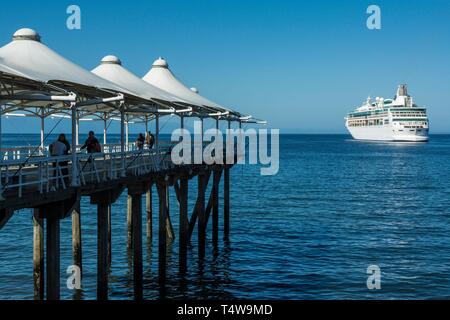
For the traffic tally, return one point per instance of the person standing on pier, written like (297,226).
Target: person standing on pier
(150,140)
(59,148)
(91,144)
(140,142)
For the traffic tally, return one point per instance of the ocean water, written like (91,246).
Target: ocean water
(336,207)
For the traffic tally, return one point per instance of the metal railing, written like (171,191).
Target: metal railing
(44,174)
(39,172)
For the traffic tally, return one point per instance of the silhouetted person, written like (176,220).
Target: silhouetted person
(60,147)
(140,141)
(91,144)
(150,140)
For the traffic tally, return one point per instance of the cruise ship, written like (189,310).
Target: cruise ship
(397,119)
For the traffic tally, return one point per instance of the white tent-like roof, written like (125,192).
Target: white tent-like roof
(27,55)
(8,70)
(112,70)
(162,77)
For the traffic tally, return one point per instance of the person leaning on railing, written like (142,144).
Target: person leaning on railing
(60,147)
(150,140)
(140,142)
(91,144)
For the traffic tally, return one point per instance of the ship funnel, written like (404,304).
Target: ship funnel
(402,90)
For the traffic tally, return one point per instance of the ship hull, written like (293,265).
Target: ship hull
(387,133)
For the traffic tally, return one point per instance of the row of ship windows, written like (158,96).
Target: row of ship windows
(409,114)
(379,122)
(365,123)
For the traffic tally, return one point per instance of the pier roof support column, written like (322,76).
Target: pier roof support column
(38,256)
(184,224)
(75,182)
(77,132)
(127,142)
(122,137)
(157,131)
(42,116)
(105,128)
(146,125)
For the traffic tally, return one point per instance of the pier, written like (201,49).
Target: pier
(53,185)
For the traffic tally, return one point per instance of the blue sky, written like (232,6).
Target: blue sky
(302,65)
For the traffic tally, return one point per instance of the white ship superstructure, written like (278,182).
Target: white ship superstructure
(397,119)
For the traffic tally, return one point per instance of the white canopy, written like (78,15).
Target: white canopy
(112,70)
(5,69)
(162,77)
(27,55)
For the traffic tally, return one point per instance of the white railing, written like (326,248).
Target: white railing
(45,174)
(21,153)
(42,173)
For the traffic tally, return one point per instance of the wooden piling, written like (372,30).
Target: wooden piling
(169,226)
(136,207)
(194,215)
(76,237)
(184,224)
(215,208)
(53,258)
(149,211)
(38,256)
(129,224)
(102,248)
(201,216)
(109,236)
(162,236)
(226,202)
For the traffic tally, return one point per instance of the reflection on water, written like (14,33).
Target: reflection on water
(336,207)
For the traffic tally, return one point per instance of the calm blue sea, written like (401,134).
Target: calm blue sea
(310,232)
